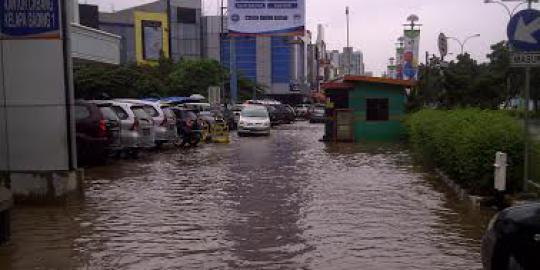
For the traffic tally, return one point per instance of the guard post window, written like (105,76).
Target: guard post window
(377,109)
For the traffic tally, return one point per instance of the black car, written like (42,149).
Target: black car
(97,132)
(512,240)
(281,114)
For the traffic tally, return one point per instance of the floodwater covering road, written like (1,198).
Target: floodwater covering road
(282,202)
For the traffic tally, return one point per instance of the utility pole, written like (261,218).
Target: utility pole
(348,33)
(527,95)
(221,36)
(349,50)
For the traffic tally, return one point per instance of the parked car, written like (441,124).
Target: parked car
(237,109)
(197,107)
(512,240)
(281,114)
(137,127)
(164,125)
(273,115)
(97,132)
(301,110)
(289,116)
(317,114)
(254,120)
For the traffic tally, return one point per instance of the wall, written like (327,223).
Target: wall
(264,61)
(212,37)
(186,39)
(282,68)
(94,45)
(246,56)
(387,130)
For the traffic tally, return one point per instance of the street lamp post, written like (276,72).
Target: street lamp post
(507,8)
(464,42)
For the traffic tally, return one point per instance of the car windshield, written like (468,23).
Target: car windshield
(255,113)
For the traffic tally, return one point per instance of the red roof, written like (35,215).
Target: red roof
(379,80)
(348,82)
(337,85)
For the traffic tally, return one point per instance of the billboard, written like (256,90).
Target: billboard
(410,54)
(152,32)
(267,17)
(151,37)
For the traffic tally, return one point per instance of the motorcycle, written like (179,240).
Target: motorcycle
(189,134)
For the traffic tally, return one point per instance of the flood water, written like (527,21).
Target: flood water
(283,202)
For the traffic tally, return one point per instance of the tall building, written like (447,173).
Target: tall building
(351,62)
(169,26)
(334,67)
(277,63)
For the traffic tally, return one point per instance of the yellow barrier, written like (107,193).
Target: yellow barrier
(220,132)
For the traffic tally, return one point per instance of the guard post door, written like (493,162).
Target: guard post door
(344,125)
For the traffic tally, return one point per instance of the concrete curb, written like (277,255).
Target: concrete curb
(474,201)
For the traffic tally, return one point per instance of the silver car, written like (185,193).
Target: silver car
(254,120)
(136,126)
(164,123)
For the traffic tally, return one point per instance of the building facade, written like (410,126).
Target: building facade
(279,63)
(351,62)
(179,20)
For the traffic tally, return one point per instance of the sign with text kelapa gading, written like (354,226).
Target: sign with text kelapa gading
(30,19)
(267,17)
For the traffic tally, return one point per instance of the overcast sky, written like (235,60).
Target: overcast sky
(376,24)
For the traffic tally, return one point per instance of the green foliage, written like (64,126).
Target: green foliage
(463,143)
(195,76)
(97,81)
(167,78)
(466,83)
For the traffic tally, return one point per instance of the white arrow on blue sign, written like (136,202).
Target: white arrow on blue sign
(524,31)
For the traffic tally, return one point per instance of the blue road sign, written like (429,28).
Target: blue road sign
(30,19)
(524,31)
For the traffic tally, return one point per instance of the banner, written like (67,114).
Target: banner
(410,54)
(30,19)
(267,17)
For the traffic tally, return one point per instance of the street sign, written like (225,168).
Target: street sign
(524,31)
(443,45)
(525,59)
(30,19)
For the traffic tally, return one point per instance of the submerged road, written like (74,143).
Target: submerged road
(282,202)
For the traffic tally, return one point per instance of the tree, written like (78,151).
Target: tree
(195,76)
(465,83)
